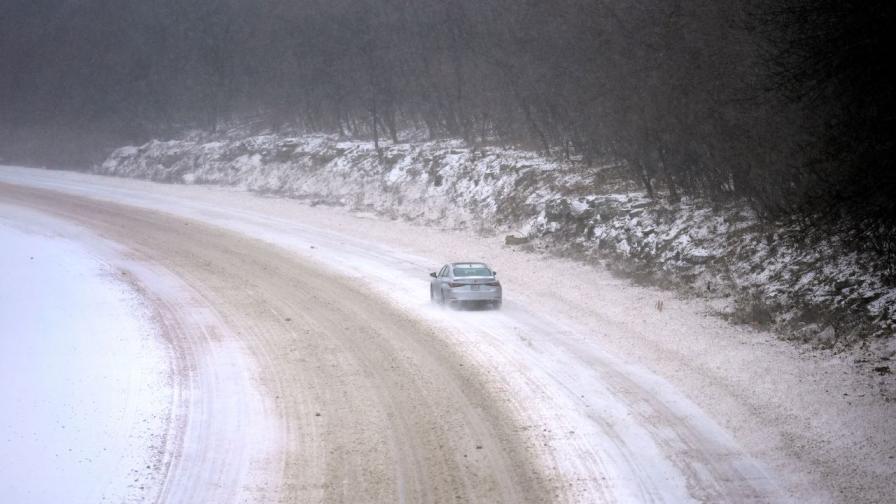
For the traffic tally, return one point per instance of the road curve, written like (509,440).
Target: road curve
(614,400)
(372,406)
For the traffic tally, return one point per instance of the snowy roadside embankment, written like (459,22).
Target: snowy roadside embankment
(121,383)
(758,273)
(86,390)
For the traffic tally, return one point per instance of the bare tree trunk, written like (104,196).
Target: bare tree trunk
(375,121)
(645,175)
(390,123)
(667,175)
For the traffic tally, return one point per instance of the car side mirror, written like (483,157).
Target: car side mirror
(432,274)
(494,273)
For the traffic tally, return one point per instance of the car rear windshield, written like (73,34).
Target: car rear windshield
(471,271)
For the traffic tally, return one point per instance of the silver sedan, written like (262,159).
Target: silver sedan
(463,283)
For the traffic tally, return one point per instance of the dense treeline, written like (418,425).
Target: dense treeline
(788,103)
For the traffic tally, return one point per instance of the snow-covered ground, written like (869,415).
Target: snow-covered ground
(86,391)
(657,397)
(757,272)
(605,429)
(119,384)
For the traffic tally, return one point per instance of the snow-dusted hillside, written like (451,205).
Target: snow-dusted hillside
(758,273)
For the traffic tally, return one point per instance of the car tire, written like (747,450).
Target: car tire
(432,295)
(496,305)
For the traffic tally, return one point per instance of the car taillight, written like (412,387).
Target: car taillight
(453,285)
(493,284)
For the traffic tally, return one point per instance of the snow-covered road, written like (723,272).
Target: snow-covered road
(584,392)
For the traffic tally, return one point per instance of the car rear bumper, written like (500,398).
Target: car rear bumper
(464,295)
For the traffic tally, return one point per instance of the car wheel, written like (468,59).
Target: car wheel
(496,305)
(432,295)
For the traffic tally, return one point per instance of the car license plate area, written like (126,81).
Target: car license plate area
(475,287)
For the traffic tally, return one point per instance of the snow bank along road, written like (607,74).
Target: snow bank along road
(372,395)
(119,384)
(83,393)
